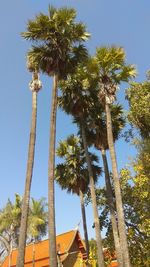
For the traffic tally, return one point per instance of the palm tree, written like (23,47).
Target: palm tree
(37,223)
(112,71)
(97,134)
(75,100)
(35,85)
(72,174)
(57,51)
(10,218)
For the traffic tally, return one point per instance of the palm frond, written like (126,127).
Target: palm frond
(58,41)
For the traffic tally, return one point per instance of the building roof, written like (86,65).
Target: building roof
(114,264)
(63,241)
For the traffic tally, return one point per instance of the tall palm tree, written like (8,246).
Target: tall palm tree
(57,50)
(112,71)
(97,134)
(75,100)
(35,85)
(72,174)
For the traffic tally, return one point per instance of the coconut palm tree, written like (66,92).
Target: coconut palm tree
(37,223)
(57,49)
(112,71)
(75,100)
(35,85)
(72,174)
(96,131)
(10,218)
(37,220)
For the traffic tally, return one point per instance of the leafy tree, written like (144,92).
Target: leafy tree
(72,174)
(10,218)
(57,49)
(138,212)
(76,100)
(135,192)
(112,71)
(136,195)
(138,96)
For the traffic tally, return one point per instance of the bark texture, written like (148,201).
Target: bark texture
(51,168)
(84,223)
(94,204)
(112,209)
(26,198)
(119,204)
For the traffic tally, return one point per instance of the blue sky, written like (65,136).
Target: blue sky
(123,23)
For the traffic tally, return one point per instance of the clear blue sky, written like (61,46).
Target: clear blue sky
(124,23)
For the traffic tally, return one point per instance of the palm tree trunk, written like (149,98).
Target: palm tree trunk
(51,167)
(112,209)
(26,198)
(94,204)
(119,204)
(84,224)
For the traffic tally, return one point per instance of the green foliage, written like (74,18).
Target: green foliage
(78,92)
(37,219)
(96,128)
(72,174)
(112,65)
(135,188)
(136,198)
(10,218)
(138,96)
(57,41)
(112,71)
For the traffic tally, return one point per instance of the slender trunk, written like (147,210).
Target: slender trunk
(112,209)
(84,223)
(94,204)
(51,168)
(26,198)
(119,204)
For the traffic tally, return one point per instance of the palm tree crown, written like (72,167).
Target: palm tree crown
(112,71)
(57,41)
(72,174)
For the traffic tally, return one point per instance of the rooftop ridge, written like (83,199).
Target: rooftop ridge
(67,232)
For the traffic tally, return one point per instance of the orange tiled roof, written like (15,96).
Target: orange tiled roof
(63,241)
(114,264)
